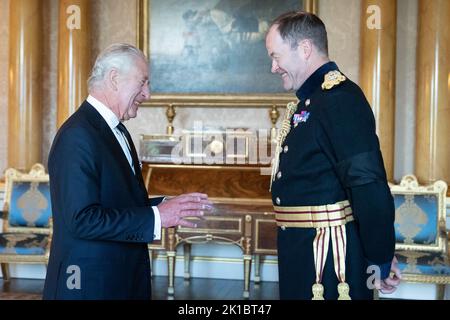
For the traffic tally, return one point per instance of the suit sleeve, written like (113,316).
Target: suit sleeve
(154,201)
(347,135)
(75,183)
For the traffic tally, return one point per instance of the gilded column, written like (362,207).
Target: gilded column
(311,6)
(73,56)
(25,110)
(377,70)
(433,86)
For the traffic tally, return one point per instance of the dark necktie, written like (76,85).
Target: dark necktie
(134,156)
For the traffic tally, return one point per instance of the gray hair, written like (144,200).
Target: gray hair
(119,56)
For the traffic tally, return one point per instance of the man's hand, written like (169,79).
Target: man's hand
(174,211)
(390,284)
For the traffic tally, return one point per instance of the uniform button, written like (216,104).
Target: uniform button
(283,228)
(286,149)
(279,174)
(278,201)
(307,102)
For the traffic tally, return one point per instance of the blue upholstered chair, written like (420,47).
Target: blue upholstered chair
(26,233)
(420,230)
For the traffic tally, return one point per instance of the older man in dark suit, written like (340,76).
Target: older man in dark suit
(103,219)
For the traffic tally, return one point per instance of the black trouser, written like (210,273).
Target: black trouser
(296,265)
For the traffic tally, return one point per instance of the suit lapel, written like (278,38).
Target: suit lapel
(134,156)
(111,142)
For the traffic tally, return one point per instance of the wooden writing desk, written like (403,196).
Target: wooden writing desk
(243,213)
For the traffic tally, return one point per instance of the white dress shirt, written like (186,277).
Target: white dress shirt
(112,121)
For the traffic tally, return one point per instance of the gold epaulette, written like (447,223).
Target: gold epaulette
(332,78)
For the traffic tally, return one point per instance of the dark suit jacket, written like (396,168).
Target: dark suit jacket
(102,217)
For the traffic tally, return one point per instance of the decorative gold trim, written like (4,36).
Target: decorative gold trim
(163,256)
(161,246)
(238,231)
(22,258)
(326,208)
(208,167)
(443,279)
(241,201)
(332,79)
(206,238)
(323,216)
(218,101)
(291,107)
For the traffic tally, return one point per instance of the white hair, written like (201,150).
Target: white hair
(119,56)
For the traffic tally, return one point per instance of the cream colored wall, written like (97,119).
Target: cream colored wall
(112,21)
(115,21)
(341,19)
(4,53)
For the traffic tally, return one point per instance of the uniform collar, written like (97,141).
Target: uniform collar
(315,80)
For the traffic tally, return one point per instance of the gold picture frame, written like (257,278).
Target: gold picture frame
(208,99)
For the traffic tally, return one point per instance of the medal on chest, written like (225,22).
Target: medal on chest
(300,117)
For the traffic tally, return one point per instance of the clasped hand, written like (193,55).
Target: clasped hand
(174,210)
(390,284)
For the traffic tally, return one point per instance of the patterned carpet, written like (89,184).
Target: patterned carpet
(19,296)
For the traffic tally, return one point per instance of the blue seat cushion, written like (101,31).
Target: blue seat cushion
(425,263)
(23,243)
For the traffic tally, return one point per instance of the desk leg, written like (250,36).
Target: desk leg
(5,272)
(171,265)
(257,277)
(150,255)
(187,260)
(440,291)
(247,268)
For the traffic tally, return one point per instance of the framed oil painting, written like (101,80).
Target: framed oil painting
(212,52)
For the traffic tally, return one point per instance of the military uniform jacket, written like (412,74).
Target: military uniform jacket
(332,154)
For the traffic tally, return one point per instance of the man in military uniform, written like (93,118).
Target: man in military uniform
(334,209)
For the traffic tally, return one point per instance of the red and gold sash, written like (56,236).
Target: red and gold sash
(329,221)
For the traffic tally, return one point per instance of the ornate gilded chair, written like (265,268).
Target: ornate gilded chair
(420,230)
(27,227)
